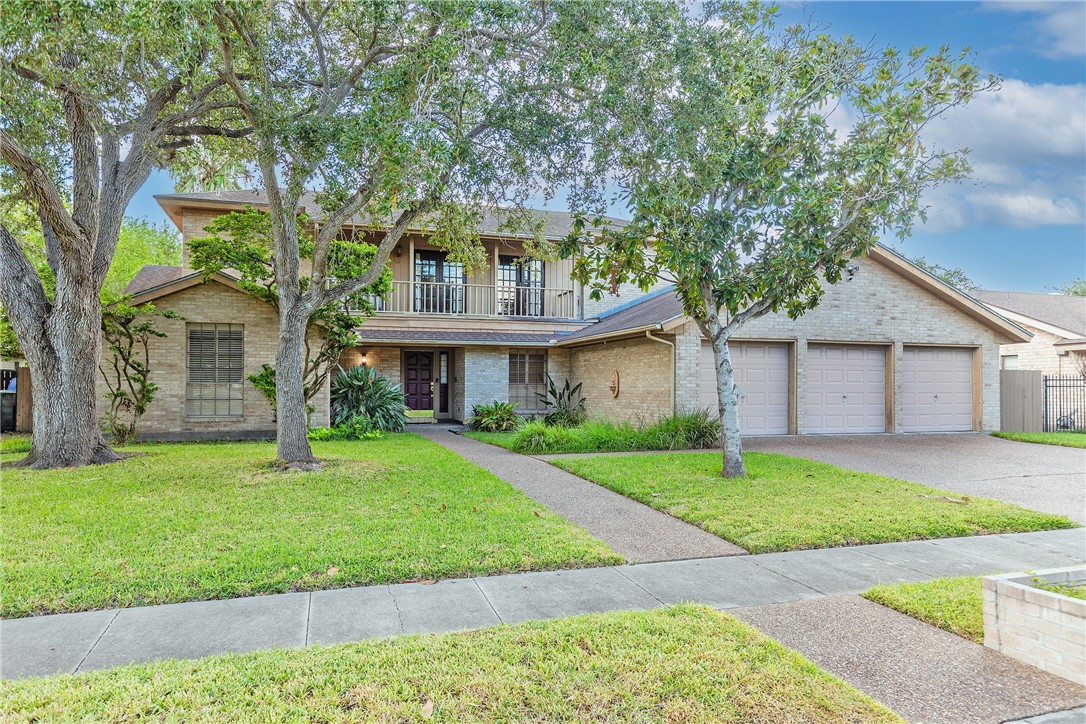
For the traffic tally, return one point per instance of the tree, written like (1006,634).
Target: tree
(737,182)
(1077,288)
(241,241)
(955,276)
(95,96)
(406,115)
(127,331)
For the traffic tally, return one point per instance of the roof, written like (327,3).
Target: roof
(558,223)
(153,275)
(647,312)
(460,337)
(1057,310)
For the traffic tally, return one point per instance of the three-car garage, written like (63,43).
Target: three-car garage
(846,388)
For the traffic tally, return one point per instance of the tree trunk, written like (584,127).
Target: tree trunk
(63,364)
(727,394)
(291,420)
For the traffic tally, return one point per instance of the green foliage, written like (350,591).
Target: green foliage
(140,243)
(955,276)
(362,391)
(357,426)
(242,241)
(952,604)
(127,332)
(565,404)
(1077,288)
(264,380)
(494,417)
(681,431)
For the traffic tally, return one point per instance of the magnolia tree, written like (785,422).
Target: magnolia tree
(737,178)
(95,96)
(402,115)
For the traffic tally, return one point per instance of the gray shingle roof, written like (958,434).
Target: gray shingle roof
(559,223)
(153,275)
(1059,310)
(648,311)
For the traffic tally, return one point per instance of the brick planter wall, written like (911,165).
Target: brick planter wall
(1035,626)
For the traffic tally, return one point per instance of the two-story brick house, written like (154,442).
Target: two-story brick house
(892,350)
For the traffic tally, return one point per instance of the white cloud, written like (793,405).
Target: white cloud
(1059,28)
(1028,151)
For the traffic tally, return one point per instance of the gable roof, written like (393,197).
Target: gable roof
(645,313)
(558,224)
(154,281)
(1065,312)
(153,275)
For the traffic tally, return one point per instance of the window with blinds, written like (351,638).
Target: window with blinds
(527,376)
(216,359)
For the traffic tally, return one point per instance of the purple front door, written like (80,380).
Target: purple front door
(418,375)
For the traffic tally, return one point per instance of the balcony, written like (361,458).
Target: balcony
(480,300)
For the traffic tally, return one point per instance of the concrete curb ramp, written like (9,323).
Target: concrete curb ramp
(101,639)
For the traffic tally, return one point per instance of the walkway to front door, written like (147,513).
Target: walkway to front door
(418,375)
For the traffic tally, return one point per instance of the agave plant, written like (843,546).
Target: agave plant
(494,417)
(566,405)
(360,390)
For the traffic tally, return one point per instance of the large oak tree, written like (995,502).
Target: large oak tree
(749,198)
(401,115)
(96,95)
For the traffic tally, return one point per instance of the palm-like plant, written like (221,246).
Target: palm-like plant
(566,405)
(361,390)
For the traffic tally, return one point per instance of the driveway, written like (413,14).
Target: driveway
(1042,477)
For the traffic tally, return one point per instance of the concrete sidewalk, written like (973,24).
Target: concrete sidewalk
(101,639)
(635,531)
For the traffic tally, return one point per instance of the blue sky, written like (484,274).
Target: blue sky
(1020,222)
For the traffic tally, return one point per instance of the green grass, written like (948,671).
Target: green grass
(789,503)
(202,521)
(14,442)
(501,439)
(682,663)
(952,604)
(1063,439)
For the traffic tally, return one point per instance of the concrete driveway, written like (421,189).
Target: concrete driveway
(1042,477)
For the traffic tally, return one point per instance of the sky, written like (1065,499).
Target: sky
(1019,222)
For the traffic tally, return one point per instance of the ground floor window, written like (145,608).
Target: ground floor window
(216,359)
(1008,362)
(527,377)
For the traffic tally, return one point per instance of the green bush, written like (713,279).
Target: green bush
(360,390)
(683,431)
(494,417)
(357,427)
(566,405)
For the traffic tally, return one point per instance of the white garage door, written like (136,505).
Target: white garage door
(761,373)
(937,389)
(846,389)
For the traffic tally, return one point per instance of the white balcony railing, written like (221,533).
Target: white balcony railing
(476,299)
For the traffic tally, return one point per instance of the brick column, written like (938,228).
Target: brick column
(799,372)
(687,379)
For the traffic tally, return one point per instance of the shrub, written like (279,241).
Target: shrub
(681,431)
(494,417)
(566,405)
(357,427)
(360,390)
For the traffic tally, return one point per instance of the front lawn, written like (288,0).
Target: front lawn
(683,663)
(1063,439)
(952,604)
(501,439)
(789,503)
(200,521)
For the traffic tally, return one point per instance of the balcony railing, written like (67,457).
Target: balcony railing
(476,299)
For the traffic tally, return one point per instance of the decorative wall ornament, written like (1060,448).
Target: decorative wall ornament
(614,383)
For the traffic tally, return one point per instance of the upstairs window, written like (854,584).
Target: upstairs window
(216,360)
(527,376)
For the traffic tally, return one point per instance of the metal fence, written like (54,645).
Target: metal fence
(1064,403)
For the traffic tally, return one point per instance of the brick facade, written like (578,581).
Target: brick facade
(1039,353)
(210,303)
(644,369)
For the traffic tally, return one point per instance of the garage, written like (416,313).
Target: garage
(761,374)
(937,389)
(846,389)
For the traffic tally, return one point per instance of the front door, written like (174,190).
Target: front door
(418,379)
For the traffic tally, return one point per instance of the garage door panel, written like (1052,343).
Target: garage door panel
(762,376)
(937,389)
(846,389)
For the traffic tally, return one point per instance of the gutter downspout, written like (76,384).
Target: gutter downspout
(648,334)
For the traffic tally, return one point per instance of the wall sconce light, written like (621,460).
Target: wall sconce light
(363,358)
(399,251)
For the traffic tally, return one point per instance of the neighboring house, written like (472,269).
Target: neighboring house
(1058,325)
(892,350)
